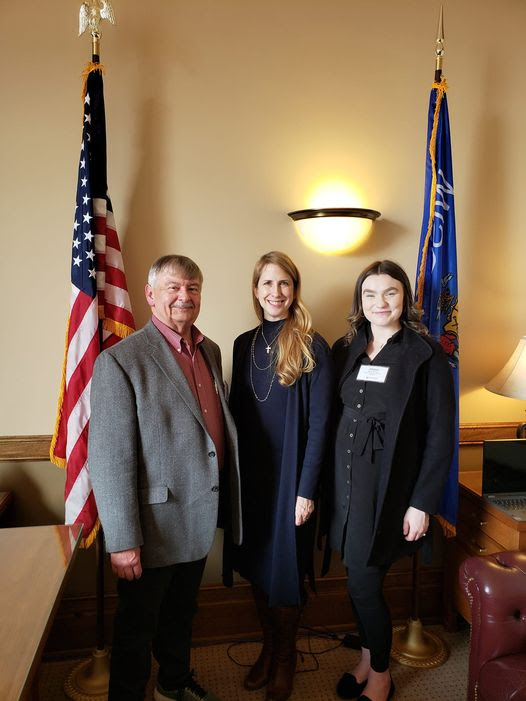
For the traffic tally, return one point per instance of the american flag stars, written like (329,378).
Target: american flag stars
(83,272)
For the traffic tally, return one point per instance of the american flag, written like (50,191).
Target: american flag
(100,311)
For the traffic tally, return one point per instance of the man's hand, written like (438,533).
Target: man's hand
(126,564)
(416,523)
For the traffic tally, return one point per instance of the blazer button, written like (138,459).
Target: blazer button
(211,454)
(215,488)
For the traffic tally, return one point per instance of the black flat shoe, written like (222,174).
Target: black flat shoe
(389,695)
(349,688)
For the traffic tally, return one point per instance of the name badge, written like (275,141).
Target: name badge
(372,373)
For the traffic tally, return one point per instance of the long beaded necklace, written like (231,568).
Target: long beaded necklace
(266,367)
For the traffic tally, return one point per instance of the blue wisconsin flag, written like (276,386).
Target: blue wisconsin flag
(436,283)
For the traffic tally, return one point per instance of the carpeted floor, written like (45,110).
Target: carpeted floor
(221,668)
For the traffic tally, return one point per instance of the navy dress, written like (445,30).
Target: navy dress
(282,437)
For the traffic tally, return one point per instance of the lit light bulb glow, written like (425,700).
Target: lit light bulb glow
(334,193)
(334,235)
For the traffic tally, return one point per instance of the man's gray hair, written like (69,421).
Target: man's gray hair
(174,262)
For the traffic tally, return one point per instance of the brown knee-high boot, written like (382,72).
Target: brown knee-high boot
(259,673)
(286,621)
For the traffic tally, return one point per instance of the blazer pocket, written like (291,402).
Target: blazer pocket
(154,495)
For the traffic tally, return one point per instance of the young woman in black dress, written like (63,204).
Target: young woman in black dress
(393,449)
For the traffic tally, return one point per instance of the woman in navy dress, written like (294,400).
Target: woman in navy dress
(280,398)
(393,449)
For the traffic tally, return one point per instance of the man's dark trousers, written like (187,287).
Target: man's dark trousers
(154,612)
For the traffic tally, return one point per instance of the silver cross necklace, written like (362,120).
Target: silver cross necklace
(268,347)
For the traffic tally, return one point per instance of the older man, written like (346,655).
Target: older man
(163,460)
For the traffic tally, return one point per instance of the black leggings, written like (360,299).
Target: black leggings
(365,585)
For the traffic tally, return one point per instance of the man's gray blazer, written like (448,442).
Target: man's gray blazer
(152,462)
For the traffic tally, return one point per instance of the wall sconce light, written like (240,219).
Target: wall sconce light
(334,230)
(511,380)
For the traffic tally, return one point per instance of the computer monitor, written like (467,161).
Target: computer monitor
(504,466)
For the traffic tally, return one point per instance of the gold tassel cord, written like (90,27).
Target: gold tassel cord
(441,89)
(88,68)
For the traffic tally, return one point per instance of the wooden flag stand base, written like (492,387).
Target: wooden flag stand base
(88,681)
(412,645)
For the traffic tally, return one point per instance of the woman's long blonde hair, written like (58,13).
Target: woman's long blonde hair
(294,354)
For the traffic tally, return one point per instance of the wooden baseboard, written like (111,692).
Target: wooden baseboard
(228,614)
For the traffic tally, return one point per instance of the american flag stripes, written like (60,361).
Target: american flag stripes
(100,312)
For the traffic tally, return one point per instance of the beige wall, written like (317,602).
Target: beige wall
(222,115)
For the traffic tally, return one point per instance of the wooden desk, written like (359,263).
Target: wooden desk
(35,562)
(482,529)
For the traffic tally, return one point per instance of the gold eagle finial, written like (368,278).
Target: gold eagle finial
(92,12)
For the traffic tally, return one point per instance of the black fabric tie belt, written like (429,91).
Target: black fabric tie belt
(368,432)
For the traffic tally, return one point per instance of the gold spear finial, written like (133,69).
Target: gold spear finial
(439,46)
(92,12)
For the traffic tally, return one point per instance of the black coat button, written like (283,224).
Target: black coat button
(215,488)
(211,454)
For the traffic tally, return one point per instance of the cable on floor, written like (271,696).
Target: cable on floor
(309,635)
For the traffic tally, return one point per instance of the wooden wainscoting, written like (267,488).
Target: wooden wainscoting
(24,448)
(474,434)
(36,448)
(228,614)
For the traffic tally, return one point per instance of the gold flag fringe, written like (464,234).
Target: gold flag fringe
(88,540)
(117,328)
(448,529)
(55,459)
(441,89)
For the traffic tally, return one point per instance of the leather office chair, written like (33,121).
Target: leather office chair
(496,589)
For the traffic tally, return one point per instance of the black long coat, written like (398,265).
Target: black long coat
(418,441)
(306,429)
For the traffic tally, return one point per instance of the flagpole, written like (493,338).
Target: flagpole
(439,51)
(90,678)
(95,46)
(412,645)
